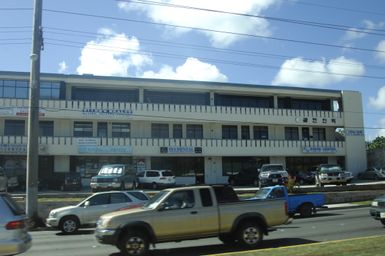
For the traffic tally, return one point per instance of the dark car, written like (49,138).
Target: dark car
(372,174)
(305,177)
(72,181)
(244,177)
(377,209)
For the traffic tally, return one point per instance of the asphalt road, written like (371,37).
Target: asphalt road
(327,225)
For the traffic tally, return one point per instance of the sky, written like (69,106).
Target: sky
(335,44)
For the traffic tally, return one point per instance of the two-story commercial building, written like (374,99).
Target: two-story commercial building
(199,130)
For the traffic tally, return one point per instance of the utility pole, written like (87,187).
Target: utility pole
(33,117)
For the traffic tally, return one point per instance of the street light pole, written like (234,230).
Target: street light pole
(33,117)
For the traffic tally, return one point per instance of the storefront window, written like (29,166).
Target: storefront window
(233,165)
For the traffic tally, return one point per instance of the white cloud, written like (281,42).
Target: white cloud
(62,67)
(300,72)
(379,101)
(381,49)
(356,33)
(209,20)
(112,55)
(192,69)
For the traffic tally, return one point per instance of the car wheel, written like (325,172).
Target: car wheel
(69,225)
(134,243)
(154,185)
(249,235)
(305,210)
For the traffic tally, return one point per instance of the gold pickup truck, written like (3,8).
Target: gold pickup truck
(191,213)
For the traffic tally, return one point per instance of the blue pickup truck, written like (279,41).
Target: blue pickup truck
(304,204)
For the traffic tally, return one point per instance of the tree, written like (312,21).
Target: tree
(377,143)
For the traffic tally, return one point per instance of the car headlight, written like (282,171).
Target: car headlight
(52,214)
(375,203)
(103,222)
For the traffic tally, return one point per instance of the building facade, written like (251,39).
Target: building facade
(203,131)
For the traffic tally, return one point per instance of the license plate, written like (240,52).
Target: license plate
(275,180)
(382,215)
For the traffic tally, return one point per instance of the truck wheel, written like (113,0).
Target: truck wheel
(69,225)
(227,239)
(305,210)
(249,235)
(134,243)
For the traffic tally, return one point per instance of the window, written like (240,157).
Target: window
(152,174)
(102,129)
(99,199)
(245,132)
(244,101)
(206,197)
(229,132)
(120,130)
(46,128)
(194,131)
(177,131)
(319,134)
(305,133)
(20,89)
(82,129)
(261,132)
(291,133)
(181,98)
(180,200)
(118,198)
(94,94)
(159,131)
(14,127)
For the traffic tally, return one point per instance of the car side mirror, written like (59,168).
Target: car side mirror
(86,204)
(161,207)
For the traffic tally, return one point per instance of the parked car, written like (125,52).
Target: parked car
(304,204)
(372,174)
(114,176)
(3,180)
(377,209)
(244,177)
(14,237)
(272,174)
(72,181)
(178,214)
(349,176)
(305,177)
(156,178)
(330,174)
(70,218)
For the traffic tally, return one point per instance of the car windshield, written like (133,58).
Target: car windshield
(154,201)
(111,170)
(262,193)
(331,168)
(272,168)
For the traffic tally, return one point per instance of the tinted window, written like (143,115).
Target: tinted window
(244,101)
(117,198)
(225,194)
(229,132)
(206,197)
(105,95)
(159,130)
(152,174)
(82,129)
(14,127)
(167,173)
(194,131)
(99,199)
(121,130)
(46,128)
(138,195)
(180,98)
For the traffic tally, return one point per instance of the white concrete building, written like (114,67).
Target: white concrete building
(200,130)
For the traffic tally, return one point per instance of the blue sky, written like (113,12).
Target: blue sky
(335,44)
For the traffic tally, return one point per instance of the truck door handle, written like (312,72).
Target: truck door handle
(193,212)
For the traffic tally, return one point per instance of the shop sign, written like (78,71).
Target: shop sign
(104,149)
(319,150)
(106,112)
(354,133)
(13,148)
(177,150)
(19,112)
(87,141)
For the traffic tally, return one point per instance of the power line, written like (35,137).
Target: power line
(213,30)
(177,56)
(202,47)
(293,21)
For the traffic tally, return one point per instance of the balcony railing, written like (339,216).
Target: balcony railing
(152,146)
(142,111)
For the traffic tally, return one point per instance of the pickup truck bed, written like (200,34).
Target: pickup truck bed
(304,204)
